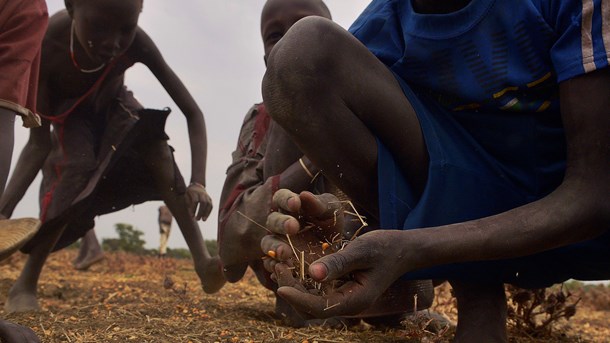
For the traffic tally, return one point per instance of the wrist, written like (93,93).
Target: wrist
(196,184)
(309,168)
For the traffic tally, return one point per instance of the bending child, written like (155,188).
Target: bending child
(266,160)
(477,130)
(105,152)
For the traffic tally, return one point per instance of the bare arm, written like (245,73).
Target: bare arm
(32,156)
(576,211)
(151,57)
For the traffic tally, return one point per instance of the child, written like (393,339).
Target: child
(165,226)
(105,151)
(265,160)
(479,129)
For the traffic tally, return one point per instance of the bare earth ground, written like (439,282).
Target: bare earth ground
(129,298)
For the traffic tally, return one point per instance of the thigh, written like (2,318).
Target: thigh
(338,98)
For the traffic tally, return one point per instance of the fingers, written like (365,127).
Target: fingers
(280,248)
(284,277)
(282,224)
(200,203)
(205,208)
(287,200)
(324,207)
(319,206)
(355,256)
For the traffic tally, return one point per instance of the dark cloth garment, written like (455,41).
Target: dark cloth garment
(23,24)
(97,167)
(246,197)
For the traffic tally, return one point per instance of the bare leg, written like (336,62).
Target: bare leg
(7,141)
(336,101)
(22,296)
(481,312)
(208,268)
(90,251)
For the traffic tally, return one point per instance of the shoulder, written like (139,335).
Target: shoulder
(255,113)
(55,44)
(58,29)
(143,48)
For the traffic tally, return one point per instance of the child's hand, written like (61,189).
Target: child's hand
(309,219)
(199,197)
(365,268)
(351,277)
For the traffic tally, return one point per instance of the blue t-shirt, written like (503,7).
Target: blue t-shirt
(484,82)
(501,55)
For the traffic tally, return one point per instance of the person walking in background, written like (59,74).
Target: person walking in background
(165,227)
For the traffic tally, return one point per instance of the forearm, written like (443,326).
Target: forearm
(30,162)
(574,212)
(198,142)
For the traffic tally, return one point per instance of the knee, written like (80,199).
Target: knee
(302,62)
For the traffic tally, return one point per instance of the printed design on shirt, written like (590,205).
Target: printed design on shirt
(491,72)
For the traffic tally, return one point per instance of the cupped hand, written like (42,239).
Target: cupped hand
(304,222)
(366,267)
(10,332)
(200,202)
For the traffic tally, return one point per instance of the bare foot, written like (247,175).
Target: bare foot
(88,261)
(21,302)
(211,276)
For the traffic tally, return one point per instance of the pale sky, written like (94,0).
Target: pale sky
(215,48)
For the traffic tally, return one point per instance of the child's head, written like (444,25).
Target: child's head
(104,28)
(279,15)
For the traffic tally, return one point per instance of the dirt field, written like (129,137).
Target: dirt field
(129,298)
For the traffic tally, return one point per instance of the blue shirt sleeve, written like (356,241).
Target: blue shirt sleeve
(582,29)
(378,28)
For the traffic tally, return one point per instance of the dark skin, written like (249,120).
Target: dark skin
(10,332)
(363,106)
(105,30)
(276,19)
(90,252)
